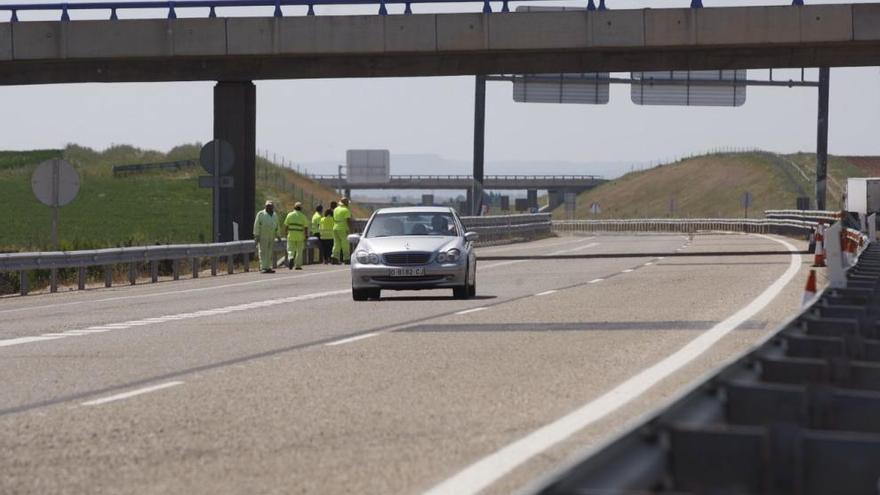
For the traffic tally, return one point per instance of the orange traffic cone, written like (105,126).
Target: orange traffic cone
(819,258)
(810,289)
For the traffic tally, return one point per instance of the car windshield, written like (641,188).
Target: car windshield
(398,224)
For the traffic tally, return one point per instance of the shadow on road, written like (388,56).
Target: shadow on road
(435,298)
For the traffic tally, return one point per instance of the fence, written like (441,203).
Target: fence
(147,167)
(800,414)
(492,230)
(682,225)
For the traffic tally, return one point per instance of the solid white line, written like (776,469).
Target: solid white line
(628,270)
(595,280)
(474,310)
(181,291)
(545,293)
(352,339)
(489,469)
(126,395)
(182,316)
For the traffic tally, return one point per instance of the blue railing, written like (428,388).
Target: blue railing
(212,5)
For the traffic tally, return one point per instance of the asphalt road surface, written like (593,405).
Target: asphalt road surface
(281,383)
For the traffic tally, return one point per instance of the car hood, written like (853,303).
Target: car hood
(382,245)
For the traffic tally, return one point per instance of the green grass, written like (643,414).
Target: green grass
(712,185)
(133,210)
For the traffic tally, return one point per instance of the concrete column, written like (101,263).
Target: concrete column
(556,198)
(476,199)
(532,197)
(822,139)
(235,121)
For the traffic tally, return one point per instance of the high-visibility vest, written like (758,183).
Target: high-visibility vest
(316,223)
(326,228)
(296,224)
(341,214)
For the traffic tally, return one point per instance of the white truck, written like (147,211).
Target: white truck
(863,195)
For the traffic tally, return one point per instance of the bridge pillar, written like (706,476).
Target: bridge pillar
(532,198)
(235,121)
(556,198)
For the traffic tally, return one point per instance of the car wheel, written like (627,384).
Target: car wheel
(472,289)
(360,294)
(460,292)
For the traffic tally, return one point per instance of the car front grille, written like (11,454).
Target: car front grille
(406,258)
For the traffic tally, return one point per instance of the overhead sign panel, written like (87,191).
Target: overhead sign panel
(368,166)
(589,88)
(706,88)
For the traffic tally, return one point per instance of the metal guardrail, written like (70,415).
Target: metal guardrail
(492,230)
(212,5)
(798,415)
(686,225)
(144,167)
(814,216)
(470,177)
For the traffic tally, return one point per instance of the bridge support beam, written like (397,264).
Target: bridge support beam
(235,121)
(556,198)
(532,198)
(476,193)
(822,139)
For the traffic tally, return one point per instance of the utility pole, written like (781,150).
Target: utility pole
(822,139)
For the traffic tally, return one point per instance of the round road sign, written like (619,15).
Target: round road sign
(227,156)
(55,182)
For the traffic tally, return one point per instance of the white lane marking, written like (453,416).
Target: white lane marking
(181,291)
(648,264)
(474,310)
(661,258)
(628,270)
(530,245)
(545,293)
(183,316)
(489,469)
(126,395)
(352,339)
(554,253)
(595,280)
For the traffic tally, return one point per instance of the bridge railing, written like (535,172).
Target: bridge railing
(190,258)
(797,414)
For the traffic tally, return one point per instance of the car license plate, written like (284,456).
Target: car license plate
(407,272)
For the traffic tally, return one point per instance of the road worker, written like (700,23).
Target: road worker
(266,230)
(315,228)
(342,217)
(297,227)
(326,230)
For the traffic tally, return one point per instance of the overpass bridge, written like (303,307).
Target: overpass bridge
(235,51)
(555,185)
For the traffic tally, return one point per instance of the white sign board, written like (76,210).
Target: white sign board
(706,88)
(368,166)
(586,89)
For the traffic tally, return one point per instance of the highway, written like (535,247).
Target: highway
(281,383)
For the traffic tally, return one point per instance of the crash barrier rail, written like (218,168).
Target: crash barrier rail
(145,167)
(814,216)
(171,5)
(470,177)
(686,225)
(492,230)
(800,414)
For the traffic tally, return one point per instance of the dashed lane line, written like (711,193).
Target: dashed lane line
(472,310)
(595,280)
(133,393)
(352,339)
(546,293)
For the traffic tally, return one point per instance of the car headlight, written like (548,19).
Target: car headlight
(366,258)
(450,256)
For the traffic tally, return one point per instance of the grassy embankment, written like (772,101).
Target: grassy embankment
(712,186)
(137,209)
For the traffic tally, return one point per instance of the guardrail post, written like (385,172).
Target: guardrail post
(132,273)
(213,266)
(175,268)
(247,261)
(81,278)
(53,280)
(108,275)
(23,282)
(154,271)
(230,265)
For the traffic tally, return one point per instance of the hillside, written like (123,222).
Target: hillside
(138,209)
(712,186)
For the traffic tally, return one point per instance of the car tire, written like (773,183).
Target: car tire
(472,289)
(360,294)
(460,292)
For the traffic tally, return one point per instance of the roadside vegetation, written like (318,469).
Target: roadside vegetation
(713,185)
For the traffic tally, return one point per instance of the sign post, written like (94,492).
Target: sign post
(55,183)
(746,201)
(217,158)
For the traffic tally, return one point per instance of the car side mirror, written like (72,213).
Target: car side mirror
(471,236)
(354,239)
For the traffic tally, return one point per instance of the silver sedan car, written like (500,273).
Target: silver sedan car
(412,249)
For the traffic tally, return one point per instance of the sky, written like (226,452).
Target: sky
(311,121)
